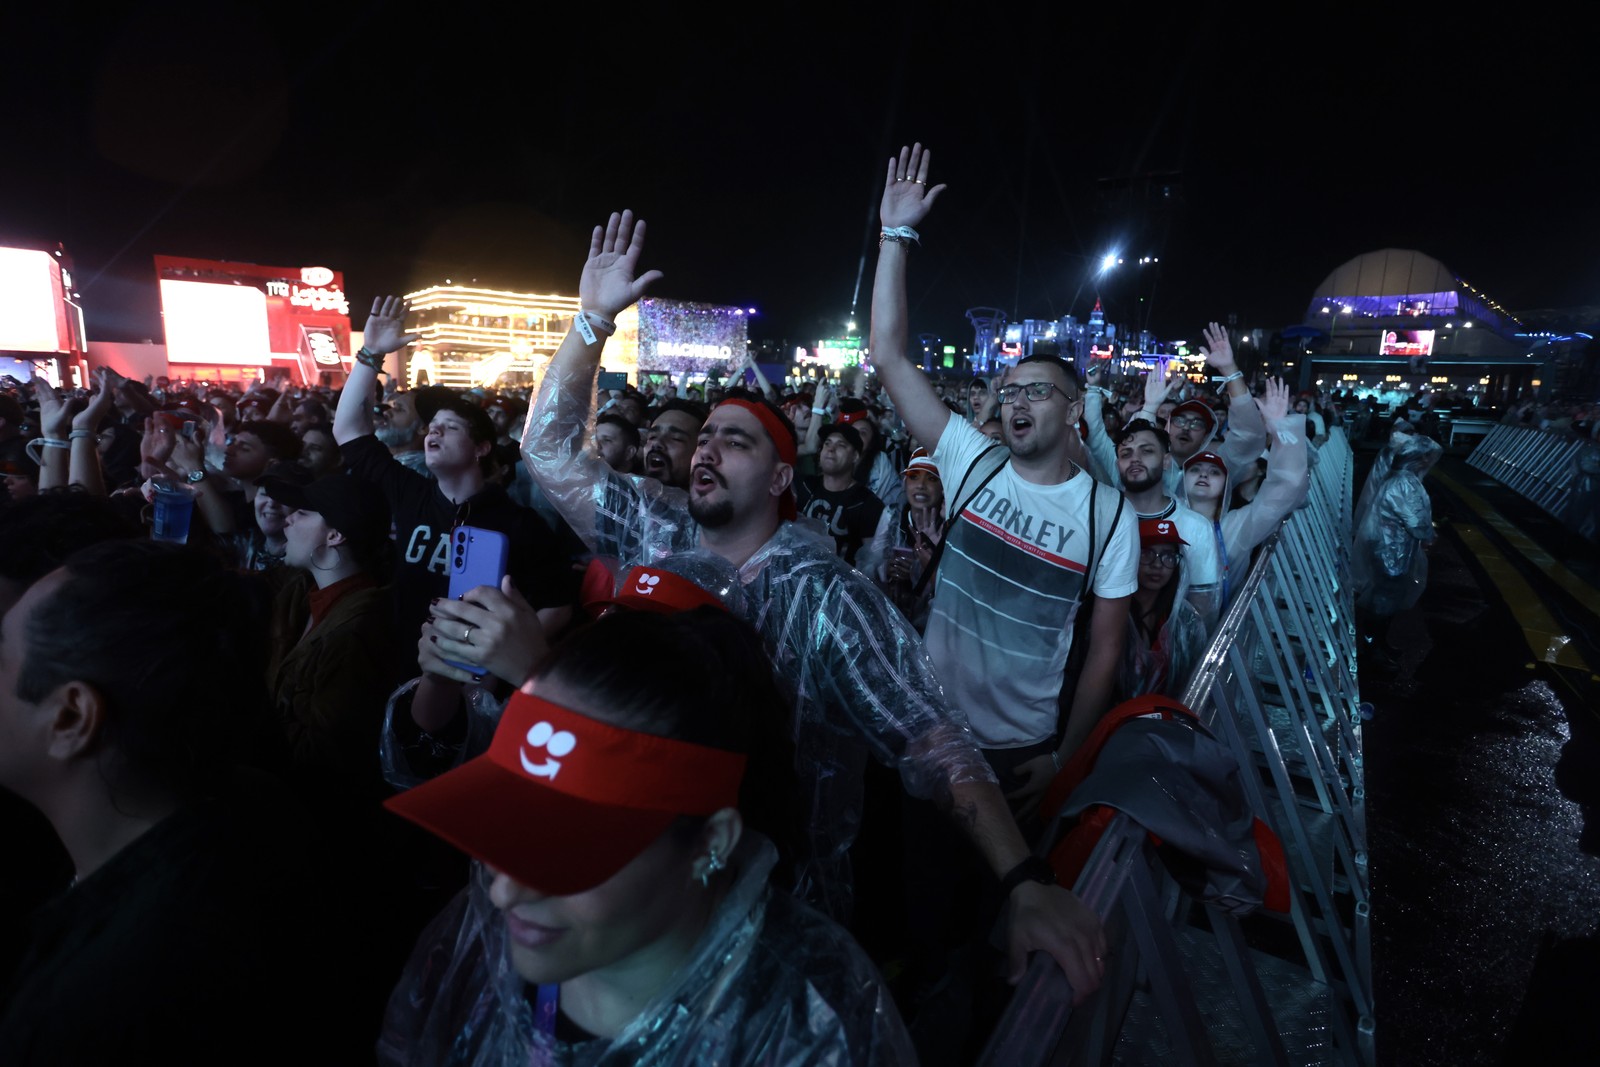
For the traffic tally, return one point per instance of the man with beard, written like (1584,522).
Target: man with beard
(669,442)
(1027,546)
(1143,456)
(399,428)
(857,675)
(616,441)
(1192,425)
(848,508)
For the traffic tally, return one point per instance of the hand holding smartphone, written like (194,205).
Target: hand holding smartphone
(477,557)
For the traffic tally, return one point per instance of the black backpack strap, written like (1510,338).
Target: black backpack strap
(955,513)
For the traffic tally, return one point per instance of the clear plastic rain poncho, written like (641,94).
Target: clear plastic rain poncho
(1164,665)
(1375,477)
(1388,564)
(855,672)
(770,981)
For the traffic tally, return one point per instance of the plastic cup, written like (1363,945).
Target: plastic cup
(174,507)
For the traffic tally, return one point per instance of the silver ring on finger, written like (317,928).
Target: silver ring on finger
(466,636)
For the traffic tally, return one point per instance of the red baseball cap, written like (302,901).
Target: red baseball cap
(1159,532)
(561,802)
(1196,407)
(1206,457)
(921,461)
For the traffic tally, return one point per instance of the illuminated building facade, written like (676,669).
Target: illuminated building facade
(1399,320)
(470,336)
(477,337)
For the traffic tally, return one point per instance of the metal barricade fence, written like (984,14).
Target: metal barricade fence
(1278,685)
(1540,465)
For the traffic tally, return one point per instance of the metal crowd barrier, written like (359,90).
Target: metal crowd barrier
(1188,983)
(1540,465)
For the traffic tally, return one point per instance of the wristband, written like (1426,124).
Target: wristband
(585,322)
(79,434)
(368,358)
(1032,869)
(900,235)
(53,442)
(819,411)
(1055,759)
(1235,376)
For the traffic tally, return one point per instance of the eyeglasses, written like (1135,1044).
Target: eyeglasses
(1035,391)
(1158,558)
(1188,422)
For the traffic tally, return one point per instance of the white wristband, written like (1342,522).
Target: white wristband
(585,322)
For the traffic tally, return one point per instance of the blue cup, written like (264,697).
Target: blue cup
(174,507)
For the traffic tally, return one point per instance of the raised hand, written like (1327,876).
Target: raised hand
(611,281)
(1274,404)
(907,198)
(189,453)
(384,332)
(1157,388)
(54,418)
(1218,350)
(156,446)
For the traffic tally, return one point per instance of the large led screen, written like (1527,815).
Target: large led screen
(32,312)
(688,338)
(246,314)
(1408,344)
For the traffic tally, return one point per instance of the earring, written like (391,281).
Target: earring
(714,863)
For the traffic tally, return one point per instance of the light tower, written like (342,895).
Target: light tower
(987,324)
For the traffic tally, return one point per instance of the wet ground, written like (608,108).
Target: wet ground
(1483,784)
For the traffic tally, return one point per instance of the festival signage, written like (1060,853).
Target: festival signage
(219,313)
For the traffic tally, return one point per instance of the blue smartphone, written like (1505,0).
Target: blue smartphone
(477,557)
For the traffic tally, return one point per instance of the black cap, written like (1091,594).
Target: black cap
(432,399)
(851,435)
(355,507)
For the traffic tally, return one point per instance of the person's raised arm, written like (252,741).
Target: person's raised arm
(1156,391)
(282,409)
(384,333)
(1247,434)
(610,283)
(55,421)
(809,445)
(1102,450)
(761,379)
(85,464)
(906,202)
(1288,477)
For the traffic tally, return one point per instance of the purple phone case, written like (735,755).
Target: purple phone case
(477,557)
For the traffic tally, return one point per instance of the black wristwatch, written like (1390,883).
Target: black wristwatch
(1032,869)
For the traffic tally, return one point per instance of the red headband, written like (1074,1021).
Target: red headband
(561,802)
(782,436)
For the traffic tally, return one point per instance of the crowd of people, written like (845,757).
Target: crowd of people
(244,774)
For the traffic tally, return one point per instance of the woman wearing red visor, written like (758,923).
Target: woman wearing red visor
(621,912)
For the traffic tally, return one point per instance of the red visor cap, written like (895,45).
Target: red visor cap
(653,589)
(562,802)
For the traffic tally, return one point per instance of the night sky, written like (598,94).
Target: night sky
(482,145)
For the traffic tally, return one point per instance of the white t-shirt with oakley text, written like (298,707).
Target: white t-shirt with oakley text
(1009,585)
